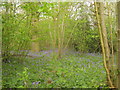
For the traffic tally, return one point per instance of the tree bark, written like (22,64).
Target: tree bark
(118,20)
(112,59)
(103,38)
(104,32)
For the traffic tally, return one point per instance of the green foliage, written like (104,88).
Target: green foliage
(24,78)
(31,7)
(86,39)
(72,71)
(53,25)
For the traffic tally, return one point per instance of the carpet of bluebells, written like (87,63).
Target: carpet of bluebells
(45,70)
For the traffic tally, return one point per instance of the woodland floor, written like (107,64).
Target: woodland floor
(44,70)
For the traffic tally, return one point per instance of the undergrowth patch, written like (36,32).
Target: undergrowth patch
(71,71)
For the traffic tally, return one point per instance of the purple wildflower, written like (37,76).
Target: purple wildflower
(33,83)
(38,82)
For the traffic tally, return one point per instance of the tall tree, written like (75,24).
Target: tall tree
(118,12)
(110,30)
(103,38)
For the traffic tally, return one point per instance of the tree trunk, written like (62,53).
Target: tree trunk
(118,12)
(103,38)
(104,32)
(105,42)
(59,30)
(35,43)
(112,59)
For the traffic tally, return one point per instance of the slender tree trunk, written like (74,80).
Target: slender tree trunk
(35,43)
(0,52)
(104,32)
(59,30)
(55,29)
(62,33)
(51,36)
(118,12)
(112,61)
(105,41)
(71,34)
(103,38)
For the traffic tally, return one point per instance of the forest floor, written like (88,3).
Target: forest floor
(44,70)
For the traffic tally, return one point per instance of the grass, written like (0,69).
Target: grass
(73,70)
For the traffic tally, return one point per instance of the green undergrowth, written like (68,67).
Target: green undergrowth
(71,71)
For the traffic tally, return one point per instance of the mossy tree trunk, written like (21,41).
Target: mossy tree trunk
(118,12)
(104,41)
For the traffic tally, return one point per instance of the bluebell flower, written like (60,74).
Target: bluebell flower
(33,83)
(38,82)
(77,74)
(103,71)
